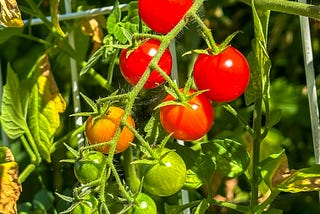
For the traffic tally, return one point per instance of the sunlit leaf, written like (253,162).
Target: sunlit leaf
(192,180)
(10,189)
(13,114)
(10,14)
(231,157)
(45,106)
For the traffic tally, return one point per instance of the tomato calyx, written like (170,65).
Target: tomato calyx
(181,97)
(215,48)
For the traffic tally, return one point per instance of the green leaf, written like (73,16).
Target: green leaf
(13,114)
(204,167)
(274,168)
(154,130)
(231,157)
(177,209)
(93,60)
(45,106)
(192,180)
(302,180)
(260,63)
(254,89)
(7,33)
(114,17)
(202,207)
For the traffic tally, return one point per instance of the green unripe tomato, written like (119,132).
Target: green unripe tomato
(145,205)
(166,177)
(89,167)
(89,205)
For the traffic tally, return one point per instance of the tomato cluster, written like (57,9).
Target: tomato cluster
(186,113)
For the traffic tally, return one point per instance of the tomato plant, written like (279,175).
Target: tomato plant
(103,129)
(190,121)
(89,166)
(163,15)
(167,176)
(144,205)
(133,63)
(240,165)
(225,75)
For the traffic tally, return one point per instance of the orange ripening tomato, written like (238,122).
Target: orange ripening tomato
(103,129)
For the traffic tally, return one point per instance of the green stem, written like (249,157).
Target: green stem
(100,79)
(144,143)
(289,7)
(207,35)
(130,170)
(267,202)
(111,67)
(68,136)
(257,121)
(244,123)
(33,146)
(26,172)
(38,13)
(239,208)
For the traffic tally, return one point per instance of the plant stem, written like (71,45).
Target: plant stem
(257,121)
(130,170)
(289,7)
(207,35)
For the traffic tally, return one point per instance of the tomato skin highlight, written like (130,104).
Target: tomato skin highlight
(103,129)
(134,65)
(145,205)
(226,75)
(188,123)
(166,177)
(162,15)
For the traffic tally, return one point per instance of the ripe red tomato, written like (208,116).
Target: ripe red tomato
(103,129)
(166,177)
(162,15)
(226,75)
(187,123)
(135,64)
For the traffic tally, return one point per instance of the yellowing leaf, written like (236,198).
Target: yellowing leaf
(10,189)
(10,14)
(302,180)
(45,106)
(91,27)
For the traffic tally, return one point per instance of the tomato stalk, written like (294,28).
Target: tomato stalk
(289,7)
(206,33)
